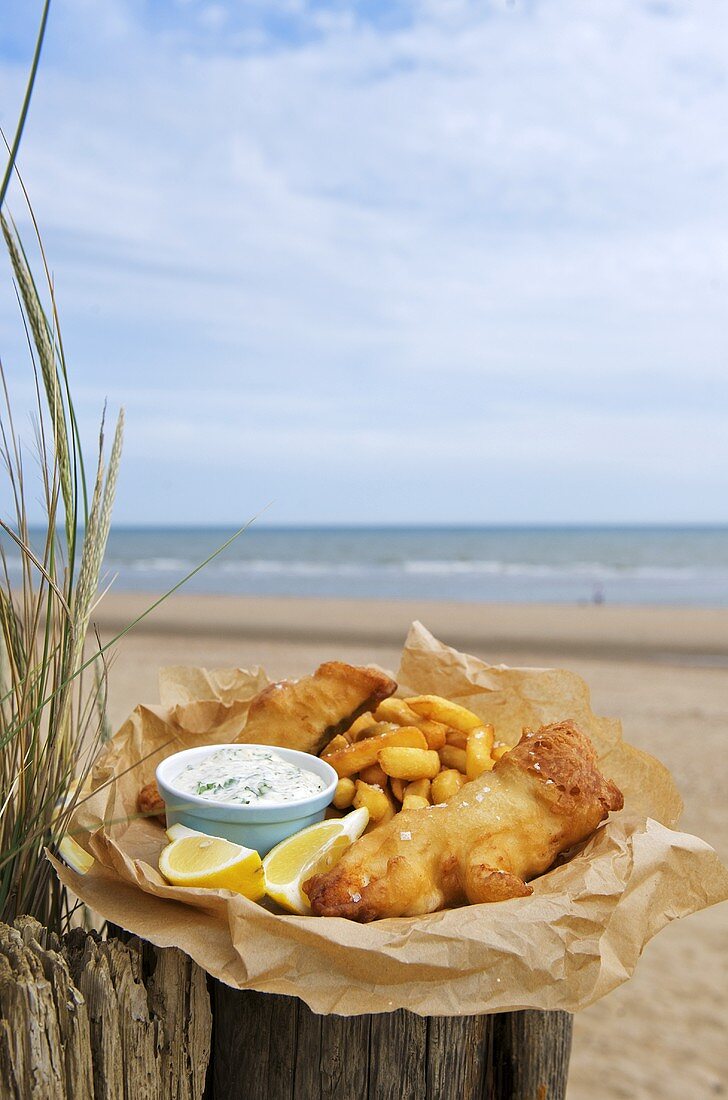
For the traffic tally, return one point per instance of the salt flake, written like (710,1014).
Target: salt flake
(405,836)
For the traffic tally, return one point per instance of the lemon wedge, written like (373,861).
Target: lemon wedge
(315,849)
(210,861)
(175,832)
(74,855)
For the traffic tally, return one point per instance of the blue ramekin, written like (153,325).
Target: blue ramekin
(260,826)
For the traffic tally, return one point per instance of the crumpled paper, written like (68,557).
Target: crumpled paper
(574,939)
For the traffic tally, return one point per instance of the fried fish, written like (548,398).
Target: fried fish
(301,714)
(305,714)
(151,804)
(484,843)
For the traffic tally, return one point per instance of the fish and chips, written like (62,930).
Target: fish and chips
(484,843)
(454,815)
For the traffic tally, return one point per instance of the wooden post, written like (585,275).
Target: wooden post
(267,1047)
(90,1019)
(116,1019)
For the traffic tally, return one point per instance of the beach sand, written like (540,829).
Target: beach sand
(663,671)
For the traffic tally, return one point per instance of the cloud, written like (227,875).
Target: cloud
(401,231)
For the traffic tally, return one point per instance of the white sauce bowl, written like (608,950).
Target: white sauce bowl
(261,825)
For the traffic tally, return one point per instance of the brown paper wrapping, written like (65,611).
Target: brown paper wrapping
(578,936)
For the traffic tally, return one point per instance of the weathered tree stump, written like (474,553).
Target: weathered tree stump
(45,1048)
(90,1019)
(268,1047)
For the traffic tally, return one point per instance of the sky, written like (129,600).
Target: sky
(436,261)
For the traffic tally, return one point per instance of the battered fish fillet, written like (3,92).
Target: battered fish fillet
(301,714)
(151,804)
(305,714)
(497,832)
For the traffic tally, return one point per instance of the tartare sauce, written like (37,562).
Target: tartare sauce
(247,775)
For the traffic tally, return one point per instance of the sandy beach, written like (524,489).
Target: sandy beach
(663,671)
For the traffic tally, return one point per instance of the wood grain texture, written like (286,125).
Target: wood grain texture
(254,1044)
(397,1056)
(45,1051)
(180,1005)
(274,1048)
(71,1012)
(341,1074)
(307,1067)
(458,1051)
(530,1055)
(86,1019)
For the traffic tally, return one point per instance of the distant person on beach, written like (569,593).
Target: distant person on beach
(598,594)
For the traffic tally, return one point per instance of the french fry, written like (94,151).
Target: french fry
(446,784)
(419,787)
(407,763)
(376,800)
(398,788)
(435,732)
(443,710)
(477,752)
(375,730)
(336,744)
(451,757)
(397,711)
(488,732)
(457,738)
(360,726)
(414,802)
(374,776)
(363,753)
(344,793)
(498,750)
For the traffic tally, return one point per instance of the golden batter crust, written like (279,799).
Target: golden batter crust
(484,844)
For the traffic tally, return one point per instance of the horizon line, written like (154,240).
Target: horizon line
(429,526)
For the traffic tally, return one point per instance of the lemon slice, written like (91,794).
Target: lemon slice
(210,861)
(315,849)
(74,855)
(176,832)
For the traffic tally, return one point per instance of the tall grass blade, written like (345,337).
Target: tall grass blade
(43,341)
(25,105)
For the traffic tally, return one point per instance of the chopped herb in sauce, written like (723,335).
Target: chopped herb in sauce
(246,776)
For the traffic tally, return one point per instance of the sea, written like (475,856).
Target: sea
(614,565)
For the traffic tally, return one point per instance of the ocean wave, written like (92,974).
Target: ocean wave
(155,565)
(423,567)
(297,568)
(595,570)
(245,566)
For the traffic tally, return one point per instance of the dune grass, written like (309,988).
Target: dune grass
(52,696)
(52,700)
(53,675)
(53,666)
